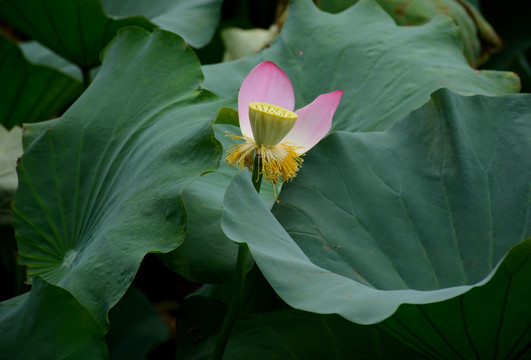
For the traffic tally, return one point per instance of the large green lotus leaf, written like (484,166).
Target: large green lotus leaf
(79,29)
(10,150)
(195,20)
(417,214)
(49,323)
(31,92)
(385,70)
(100,187)
(486,320)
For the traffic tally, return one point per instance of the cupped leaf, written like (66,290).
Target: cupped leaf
(420,213)
(385,70)
(79,29)
(31,92)
(49,323)
(299,281)
(100,187)
(448,186)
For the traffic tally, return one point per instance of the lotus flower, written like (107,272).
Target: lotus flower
(271,130)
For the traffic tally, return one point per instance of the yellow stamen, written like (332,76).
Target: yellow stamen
(242,154)
(270,123)
(278,162)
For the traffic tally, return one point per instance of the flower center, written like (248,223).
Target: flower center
(270,123)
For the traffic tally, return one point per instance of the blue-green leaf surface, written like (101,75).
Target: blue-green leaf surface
(417,214)
(385,70)
(100,187)
(49,323)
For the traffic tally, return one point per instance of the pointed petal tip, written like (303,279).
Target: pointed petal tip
(331,99)
(268,63)
(269,67)
(315,120)
(337,93)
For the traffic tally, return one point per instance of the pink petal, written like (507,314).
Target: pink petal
(314,121)
(265,83)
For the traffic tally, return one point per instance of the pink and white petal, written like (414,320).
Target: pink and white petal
(314,121)
(265,83)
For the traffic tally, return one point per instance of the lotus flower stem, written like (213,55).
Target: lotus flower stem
(257,174)
(237,292)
